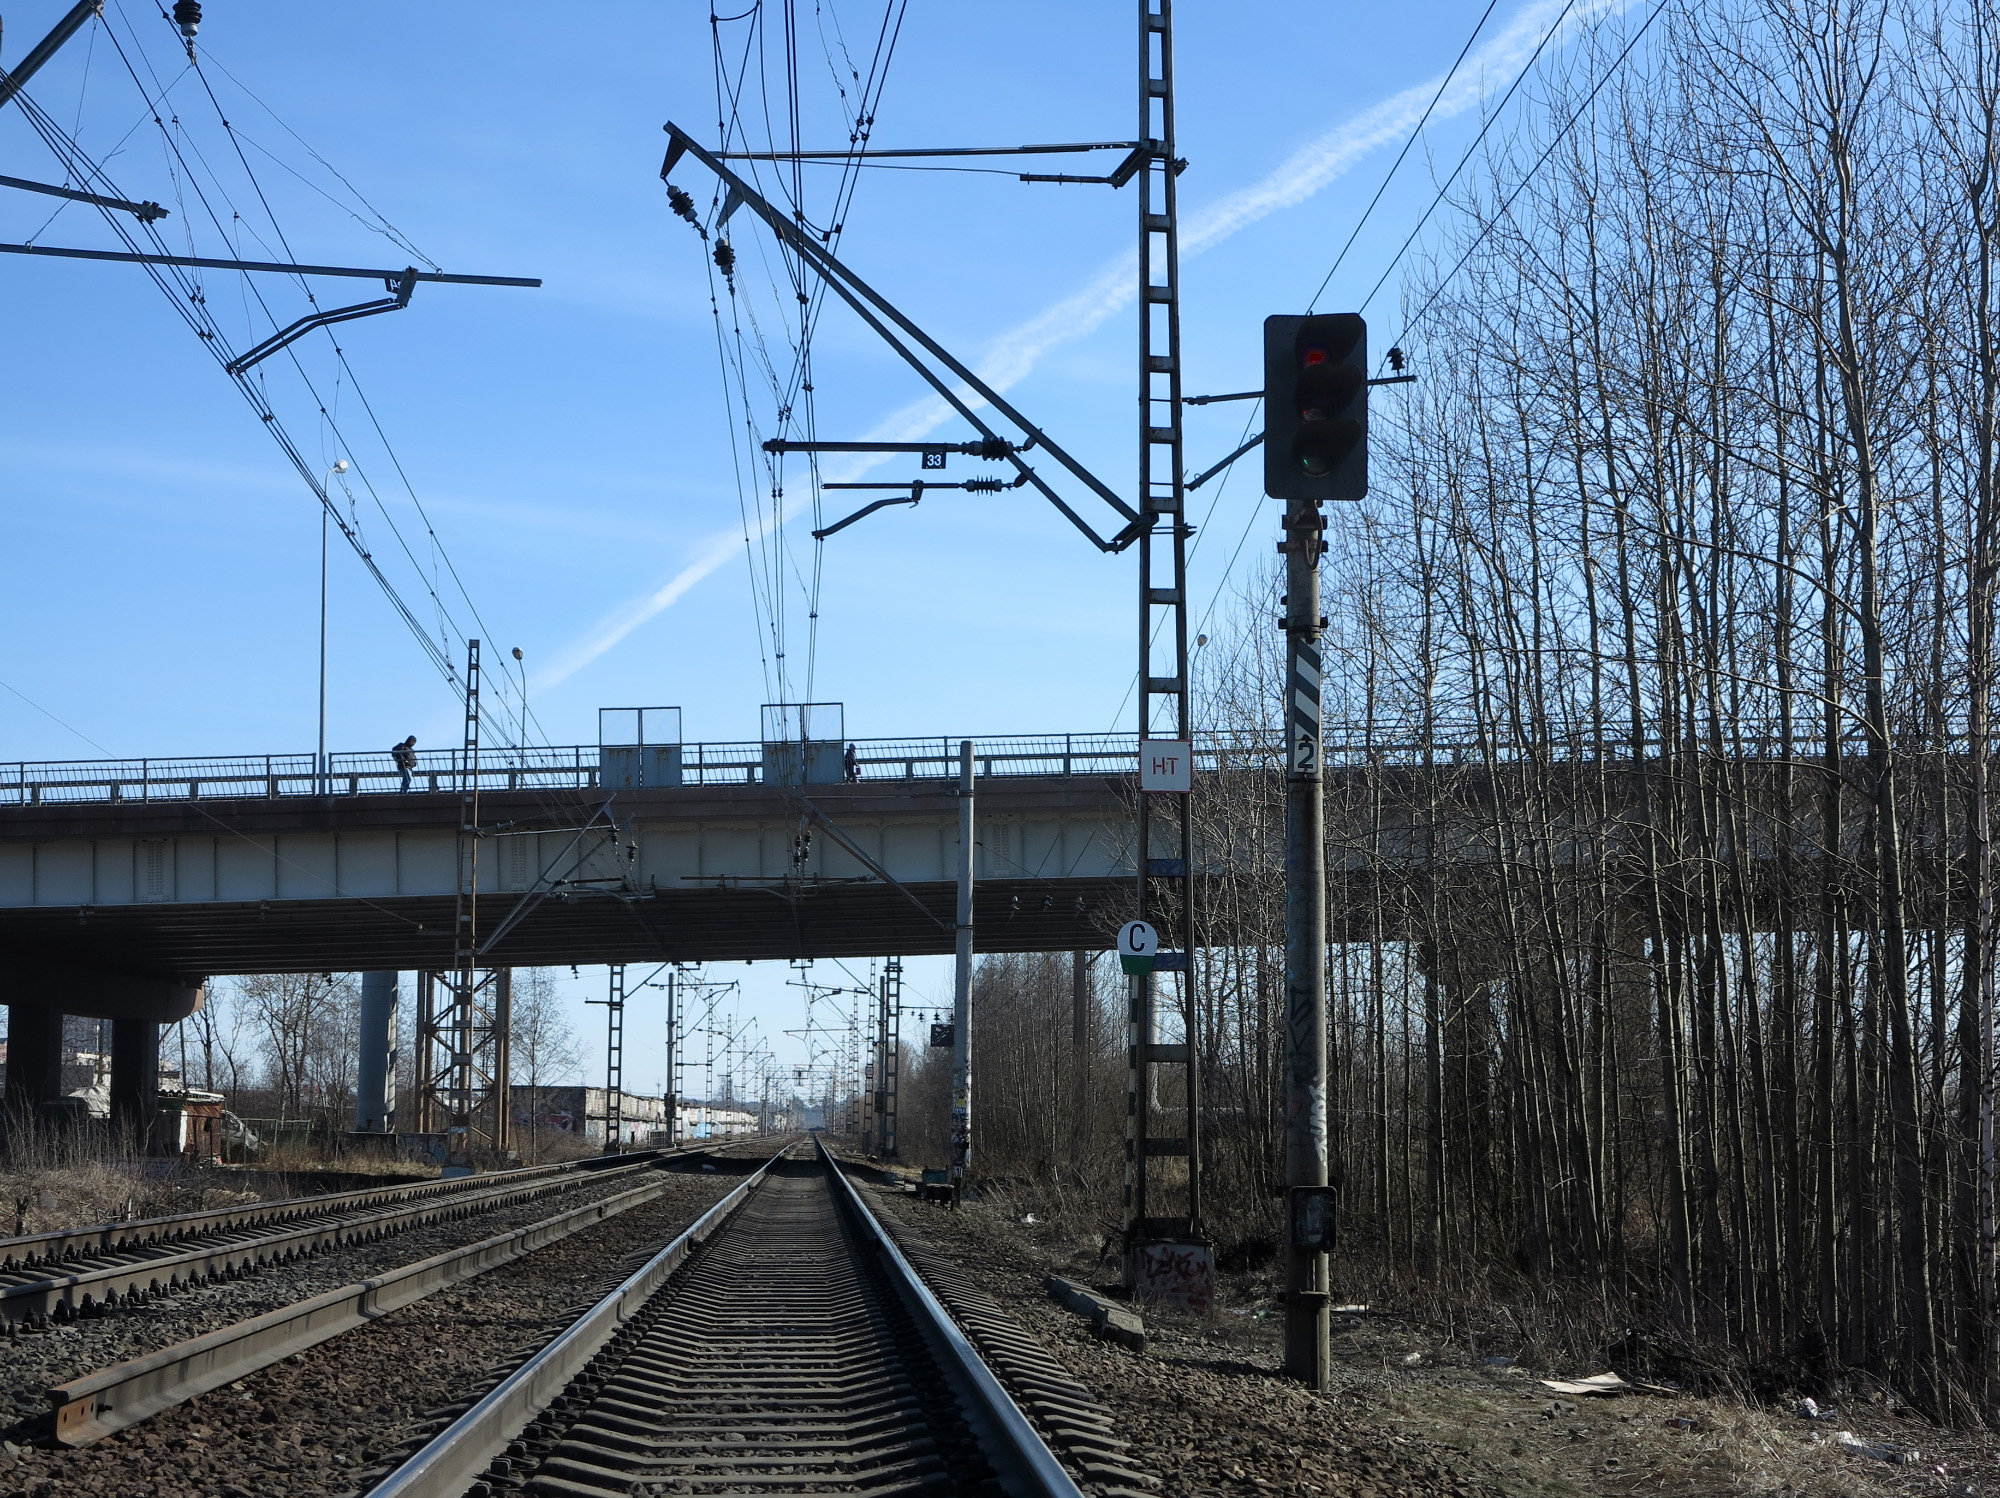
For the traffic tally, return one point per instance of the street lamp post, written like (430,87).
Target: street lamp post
(319,762)
(521,743)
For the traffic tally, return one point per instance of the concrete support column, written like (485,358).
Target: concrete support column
(135,1082)
(34,1056)
(375,1068)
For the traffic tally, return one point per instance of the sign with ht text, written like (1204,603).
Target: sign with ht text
(1166,766)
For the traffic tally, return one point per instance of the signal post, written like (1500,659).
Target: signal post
(1315,450)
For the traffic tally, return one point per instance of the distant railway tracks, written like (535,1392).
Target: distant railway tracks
(59,1276)
(783,1344)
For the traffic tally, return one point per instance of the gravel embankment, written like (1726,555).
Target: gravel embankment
(1207,1410)
(1207,1416)
(298,1428)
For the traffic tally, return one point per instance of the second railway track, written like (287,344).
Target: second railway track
(127,1260)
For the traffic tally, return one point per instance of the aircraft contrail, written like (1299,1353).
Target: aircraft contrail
(1014,355)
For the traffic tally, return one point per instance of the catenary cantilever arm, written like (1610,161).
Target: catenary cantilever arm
(12,81)
(146,213)
(401,286)
(879,314)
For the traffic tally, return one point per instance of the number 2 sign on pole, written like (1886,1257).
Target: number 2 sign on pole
(1137,944)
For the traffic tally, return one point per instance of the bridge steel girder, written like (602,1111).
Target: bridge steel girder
(751,923)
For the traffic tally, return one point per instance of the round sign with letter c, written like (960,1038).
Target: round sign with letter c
(1137,939)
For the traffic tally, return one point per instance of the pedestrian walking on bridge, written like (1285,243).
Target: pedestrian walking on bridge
(405,756)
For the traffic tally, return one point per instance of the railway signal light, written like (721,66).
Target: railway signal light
(1316,407)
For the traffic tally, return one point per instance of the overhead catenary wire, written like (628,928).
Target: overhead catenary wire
(1500,213)
(367,406)
(1411,323)
(746,347)
(1415,133)
(1444,188)
(185,291)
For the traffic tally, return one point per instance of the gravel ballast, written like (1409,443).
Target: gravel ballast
(301,1426)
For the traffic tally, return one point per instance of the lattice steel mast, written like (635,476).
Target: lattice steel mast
(466,1097)
(1165,855)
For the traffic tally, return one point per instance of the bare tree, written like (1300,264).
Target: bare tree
(306,1028)
(544,1042)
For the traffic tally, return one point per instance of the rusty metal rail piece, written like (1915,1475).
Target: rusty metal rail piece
(92,1407)
(47,1296)
(447,1465)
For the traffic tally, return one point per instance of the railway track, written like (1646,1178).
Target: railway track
(63,1244)
(782,1345)
(59,1276)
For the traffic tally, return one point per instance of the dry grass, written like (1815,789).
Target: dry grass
(57,1179)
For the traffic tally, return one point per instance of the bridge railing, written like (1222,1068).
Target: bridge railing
(574,767)
(563,767)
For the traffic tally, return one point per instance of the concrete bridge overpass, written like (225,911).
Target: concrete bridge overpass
(168,872)
(124,885)
(699,874)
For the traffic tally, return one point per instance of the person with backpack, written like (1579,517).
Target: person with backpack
(405,757)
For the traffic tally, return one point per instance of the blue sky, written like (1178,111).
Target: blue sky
(570,446)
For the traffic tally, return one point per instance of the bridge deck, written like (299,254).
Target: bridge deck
(192,888)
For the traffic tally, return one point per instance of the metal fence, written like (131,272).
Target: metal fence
(576,766)
(555,768)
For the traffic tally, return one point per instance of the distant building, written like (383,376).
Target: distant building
(584,1112)
(707,1121)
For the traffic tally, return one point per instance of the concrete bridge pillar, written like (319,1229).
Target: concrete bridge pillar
(135,1082)
(38,992)
(375,1068)
(34,1056)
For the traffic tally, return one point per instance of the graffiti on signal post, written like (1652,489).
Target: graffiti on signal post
(1166,766)
(1177,1274)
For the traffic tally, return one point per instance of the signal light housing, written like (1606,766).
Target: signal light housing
(1316,407)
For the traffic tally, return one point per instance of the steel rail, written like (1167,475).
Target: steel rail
(450,1461)
(89,1408)
(985,1397)
(45,1297)
(106,1237)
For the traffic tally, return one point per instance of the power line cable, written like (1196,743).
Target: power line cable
(1491,120)
(184,292)
(1396,165)
(1411,322)
(1501,212)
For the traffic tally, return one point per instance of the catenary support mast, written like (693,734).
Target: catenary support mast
(892,1009)
(1166,833)
(961,997)
(465,1017)
(614,1060)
